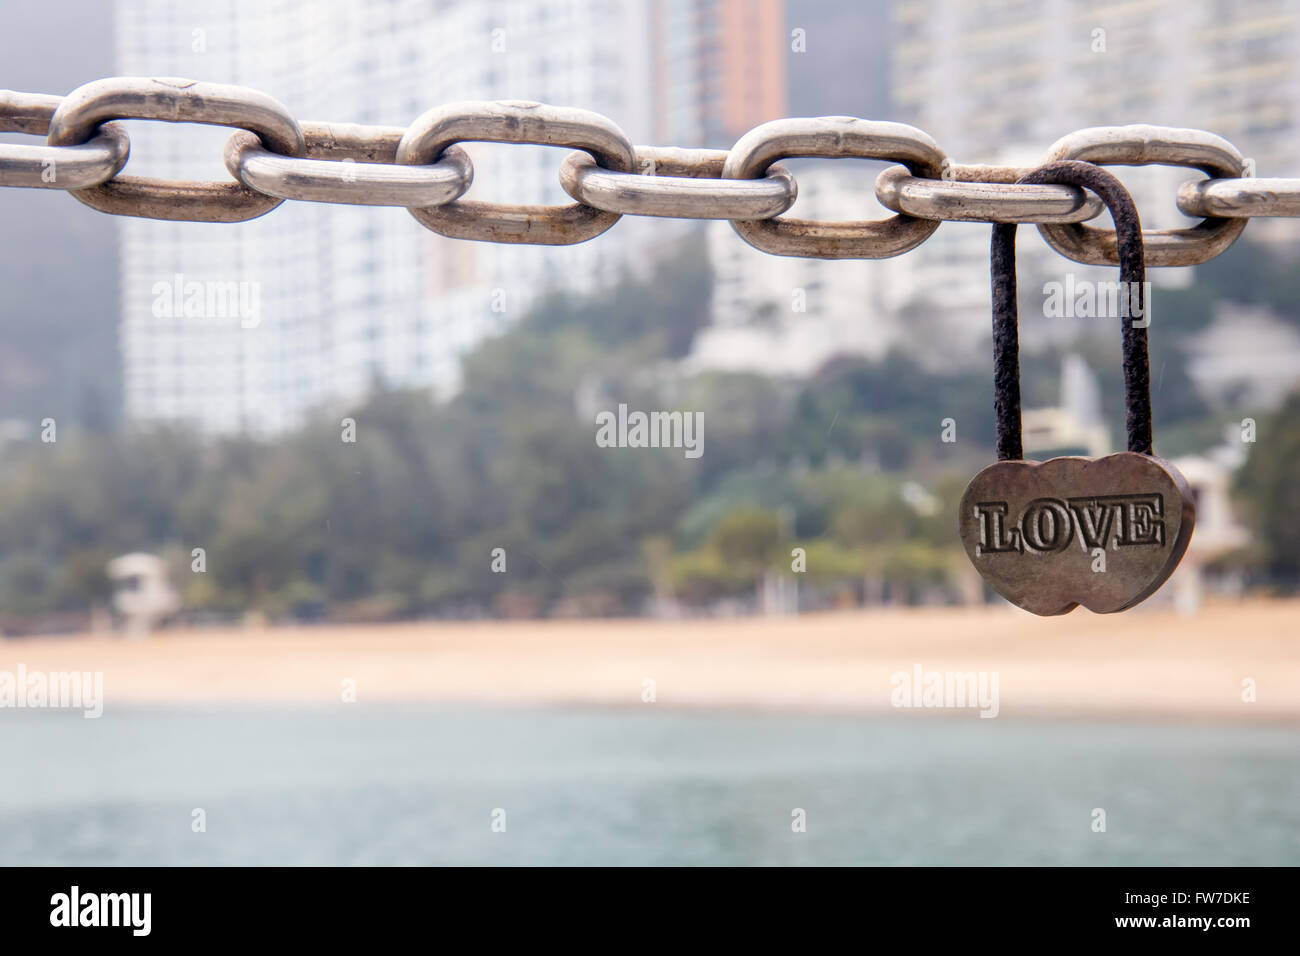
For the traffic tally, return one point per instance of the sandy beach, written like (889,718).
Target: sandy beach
(1146,663)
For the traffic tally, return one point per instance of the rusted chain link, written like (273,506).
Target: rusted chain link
(273,157)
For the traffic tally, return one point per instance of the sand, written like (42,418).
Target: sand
(1149,663)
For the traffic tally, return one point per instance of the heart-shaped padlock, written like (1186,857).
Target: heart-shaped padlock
(1106,532)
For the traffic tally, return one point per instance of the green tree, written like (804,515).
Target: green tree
(1268,484)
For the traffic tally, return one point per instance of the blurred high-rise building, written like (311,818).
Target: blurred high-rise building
(786,315)
(979,75)
(719,69)
(997,82)
(350,297)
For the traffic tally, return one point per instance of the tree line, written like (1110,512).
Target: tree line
(500,501)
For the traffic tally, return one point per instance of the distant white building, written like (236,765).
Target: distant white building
(784,315)
(1247,356)
(789,315)
(353,295)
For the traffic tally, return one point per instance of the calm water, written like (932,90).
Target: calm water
(419,786)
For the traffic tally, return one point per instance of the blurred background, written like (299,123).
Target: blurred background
(175,493)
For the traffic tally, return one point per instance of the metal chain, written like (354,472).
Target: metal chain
(273,157)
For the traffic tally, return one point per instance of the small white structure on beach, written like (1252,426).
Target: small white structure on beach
(1075,426)
(1217,531)
(142,594)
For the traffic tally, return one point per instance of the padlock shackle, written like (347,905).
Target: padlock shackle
(1132,274)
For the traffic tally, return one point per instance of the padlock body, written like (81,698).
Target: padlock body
(1104,532)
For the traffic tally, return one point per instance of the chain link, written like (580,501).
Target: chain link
(516,121)
(680,184)
(950,199)
(55,167)
(1146,146)
(834,137)
(273,157)
(175,101)
(1240,198)
(331,172)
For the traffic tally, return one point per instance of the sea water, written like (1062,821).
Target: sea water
(411,785)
